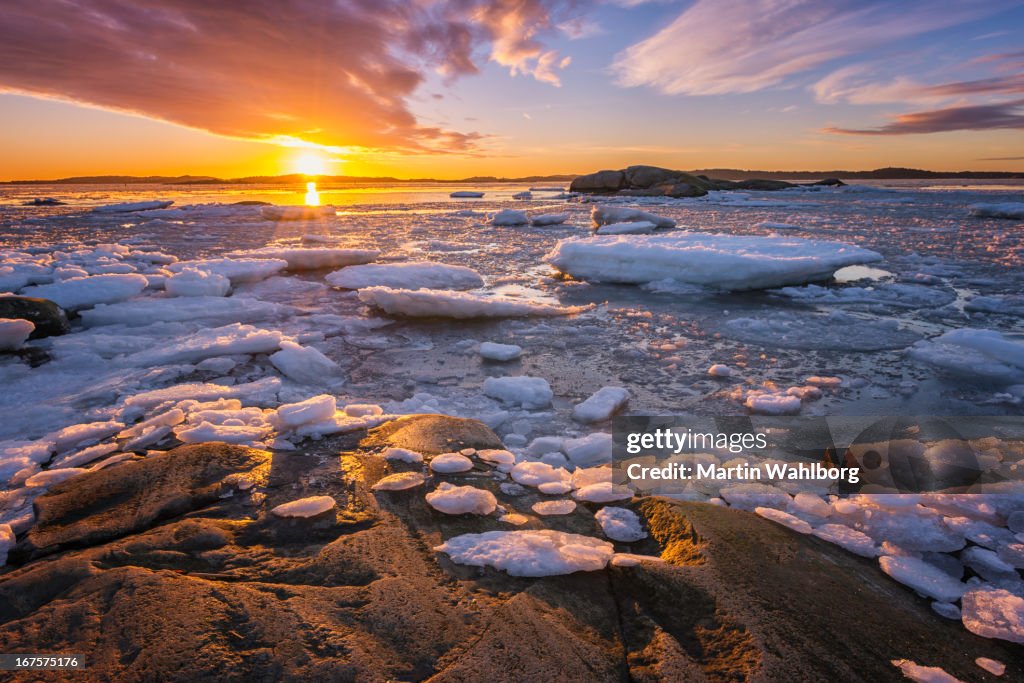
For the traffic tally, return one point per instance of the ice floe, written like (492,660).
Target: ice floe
(601,405)
(528,392)
(971,353)
(410,275)
(731,262)
(84,292)
(620,524)
(432,303)
(461,500)
(310,258)
(529,553)
(305,507)
(1011,210)
(500,352)
(14,332)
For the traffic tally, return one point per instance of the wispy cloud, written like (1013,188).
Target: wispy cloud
(1005,115)
(1001,158)
(856,85)
(739,46)
(335,73)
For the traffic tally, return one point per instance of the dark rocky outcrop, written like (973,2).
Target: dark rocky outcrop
(49,318)
(653,181)
(215,588)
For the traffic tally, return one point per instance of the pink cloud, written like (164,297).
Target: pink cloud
(331,73)
(1004,115)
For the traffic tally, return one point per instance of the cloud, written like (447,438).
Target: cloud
(336,74)
(854,84)
(1005,115)
(1000,158)
(740,46)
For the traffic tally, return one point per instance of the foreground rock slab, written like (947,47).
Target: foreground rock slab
(215,588)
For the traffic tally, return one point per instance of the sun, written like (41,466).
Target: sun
(310,163)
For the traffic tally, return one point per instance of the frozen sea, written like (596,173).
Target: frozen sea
(272,355)
(656,340)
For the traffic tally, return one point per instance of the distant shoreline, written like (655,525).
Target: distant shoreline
(721,173)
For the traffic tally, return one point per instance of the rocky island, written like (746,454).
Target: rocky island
(653,181)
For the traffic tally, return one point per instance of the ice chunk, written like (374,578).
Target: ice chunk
(924,674)
(79,434)
(509,217)
(450,463)
(848,539)
(772,403)
(730,262)
(500,352)
(206,310)
(262,390)
(402,455)
(399,482)
(292,415)
(752,495)
(607,215)
(620,524)
(601,405)
(602,492)
(629,228)
(305,507)
(85,456)
(1011,210)
(590,450)
(719,370)
(14,332)
(973,353)
(363,410)
(523,195)
(529,553)
(197,282)
(461,500)
(547,508)
(433,303)
(317,258)
(128,207)
(538,473)
(466,194)
(304,364)
(993,666)
(548,219)
(497,456)
(238,270)
(48,478)
(528,392)
(923,577)
(205,431)
(410,275)
(84,292)
(785,519)
(216,341)
(992,612)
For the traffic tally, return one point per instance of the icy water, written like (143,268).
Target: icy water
(658,341)
(934,328)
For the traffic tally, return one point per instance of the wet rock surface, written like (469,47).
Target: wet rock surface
(49,318)
(172,568)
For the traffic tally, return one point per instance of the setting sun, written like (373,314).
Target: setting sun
(310,163)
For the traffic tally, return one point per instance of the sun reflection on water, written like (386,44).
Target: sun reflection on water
(312,196)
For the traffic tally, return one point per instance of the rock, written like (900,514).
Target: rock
(602,181)
(654,181)
(131,497)
(49,318)
(224,590)
(762,184)
(433,434)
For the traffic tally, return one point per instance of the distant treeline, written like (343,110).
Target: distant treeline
(889,173)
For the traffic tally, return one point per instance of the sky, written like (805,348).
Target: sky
(456,88)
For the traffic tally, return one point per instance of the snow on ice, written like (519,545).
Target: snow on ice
(730,262)
(529,553)
(432,303)
(410,275)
